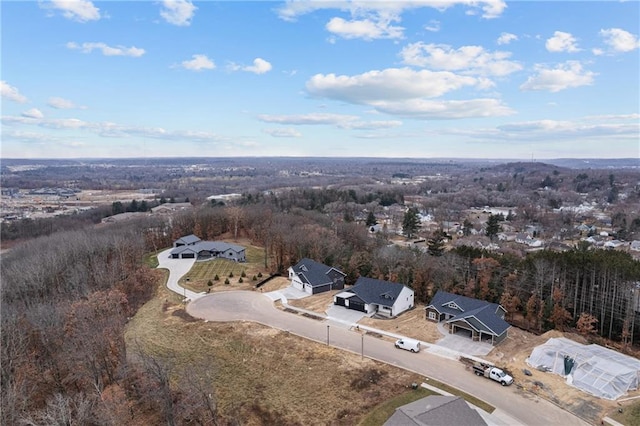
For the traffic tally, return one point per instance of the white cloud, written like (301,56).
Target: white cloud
(61,103)
(33,113)
(178,12)
(432,110)
(13,94)
(341,121)
(506,38)
(307,119)
(620,40)
(283,133)
(388,84)
(433,26)
(199,63)
(564,76)
(548,129)
(562,42)
(113,130)
(468,59)
(260,66)
(366,29)
(106,49)
(294,8)
(76,10)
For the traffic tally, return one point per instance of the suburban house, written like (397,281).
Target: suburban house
(167,208)
(313,277)
(483,320)
(436,410)
(376,297)
(192,247)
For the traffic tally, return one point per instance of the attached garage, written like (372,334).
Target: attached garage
(188,255)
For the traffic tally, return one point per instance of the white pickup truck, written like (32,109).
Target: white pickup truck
(493,373)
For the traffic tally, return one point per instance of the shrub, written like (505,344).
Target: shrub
(259,274)
(243,274)
(240,280)
(231,274)
(209,283)
(226,281)
(217,278)
(254,278)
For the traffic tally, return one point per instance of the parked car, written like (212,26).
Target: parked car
(408,344)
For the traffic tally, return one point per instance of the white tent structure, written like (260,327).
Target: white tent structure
(592,368)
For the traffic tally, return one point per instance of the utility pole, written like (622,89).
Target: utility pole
(327,334)
(362,347)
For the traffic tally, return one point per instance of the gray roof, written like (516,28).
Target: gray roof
(383,293)
(482,315)
(436,410)
(213,246)
(188,239)
(314,273)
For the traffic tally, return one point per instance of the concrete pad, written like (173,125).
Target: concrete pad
(465,345)
(344,316)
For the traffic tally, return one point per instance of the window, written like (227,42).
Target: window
(432,315)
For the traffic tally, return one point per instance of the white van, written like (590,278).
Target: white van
(408,344)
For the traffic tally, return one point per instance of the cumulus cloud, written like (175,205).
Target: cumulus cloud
(390,83)
(33,113)
(562,42)
(198,63)
(61,103)
(438,110)
(178,12)
(468,59)
(366,29)
(564,76)
(76,10)
(106,49)
(11,93)
(619,40)
(283,133)
(506,38)
(260,66)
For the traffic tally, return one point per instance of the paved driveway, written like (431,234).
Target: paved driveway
(177,269)
(462,343)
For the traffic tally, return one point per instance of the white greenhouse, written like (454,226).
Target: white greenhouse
(597,370)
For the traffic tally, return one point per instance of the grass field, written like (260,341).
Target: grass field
(202,272)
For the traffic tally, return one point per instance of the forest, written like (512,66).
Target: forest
(67,296)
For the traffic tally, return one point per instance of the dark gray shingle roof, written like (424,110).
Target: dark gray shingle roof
(480,314)
(313,273)
(383,293)
(436,410)
(188,239)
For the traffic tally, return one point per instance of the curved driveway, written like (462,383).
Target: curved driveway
(514,407)
(177,268)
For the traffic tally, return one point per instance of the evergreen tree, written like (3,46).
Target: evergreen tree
(435,244)
(117,207)
(410,223)
(371,219)
(493,226)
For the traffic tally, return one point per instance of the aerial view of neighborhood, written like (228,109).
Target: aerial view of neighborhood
(320,213)
(265,290)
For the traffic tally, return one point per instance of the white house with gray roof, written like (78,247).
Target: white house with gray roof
(192,247)
(379,297)
(480,319)
(313,277)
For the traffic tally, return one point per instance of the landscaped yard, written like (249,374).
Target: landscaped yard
(203,272)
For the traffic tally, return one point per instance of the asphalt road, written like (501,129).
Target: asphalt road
(513,406)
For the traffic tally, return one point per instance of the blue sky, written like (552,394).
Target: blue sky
(424,79)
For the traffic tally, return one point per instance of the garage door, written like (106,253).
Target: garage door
(357,305)
(340,301)
(188,255)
